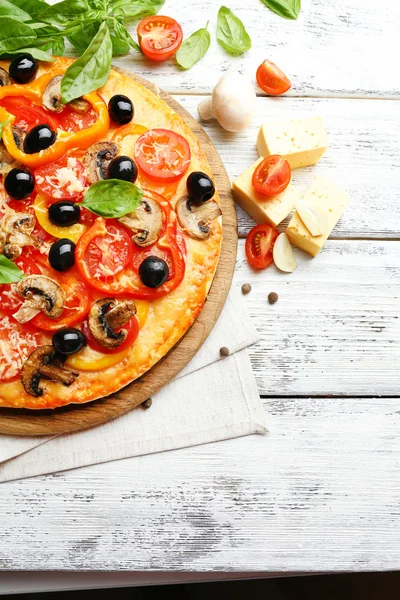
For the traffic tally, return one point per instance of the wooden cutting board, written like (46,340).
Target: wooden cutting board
(74,418)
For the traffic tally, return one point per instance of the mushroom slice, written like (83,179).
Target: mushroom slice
(108,314)
(19,137)
(40,294)
(97,159)
(145,222)
(3,241)
(51,98)
(7,162)
(45,363)
(18,228)
(4,77)
(195,219)
(80,105)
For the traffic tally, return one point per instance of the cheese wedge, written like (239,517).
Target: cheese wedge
(301,141)
(327,198)
(263,209)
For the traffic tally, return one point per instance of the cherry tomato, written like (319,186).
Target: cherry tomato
(76,306)
(70,120)
(17,342)
(272,176)
(162,155)
(132,327)
(259,245)
(55,180)
(271,79)
(159,37)
(27,114)
(10,302)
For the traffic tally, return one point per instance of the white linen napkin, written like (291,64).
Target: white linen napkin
(211,399)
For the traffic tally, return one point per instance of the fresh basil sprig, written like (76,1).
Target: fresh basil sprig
(112,198)
(288,9)
(193,48)
(91,70)
(9,273)
(10,10)
(14,34)
(136,9)
(37,53)
(64,11)
(231,32)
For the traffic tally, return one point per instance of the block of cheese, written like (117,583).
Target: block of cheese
(301,141)
(263,209)
(328,199)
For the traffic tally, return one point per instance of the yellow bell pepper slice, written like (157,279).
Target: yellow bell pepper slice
(73,232)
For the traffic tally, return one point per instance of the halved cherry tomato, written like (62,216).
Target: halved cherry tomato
(127,281)
(272,176)
(41,207)
(162,155)
(27,114)
(271,79)
(259,245)
(132,328)
(70,120)
(61,180)
(17,342)
(76,306)
(10,302)
(159,37)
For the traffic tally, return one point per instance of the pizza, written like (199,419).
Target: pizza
(110,234)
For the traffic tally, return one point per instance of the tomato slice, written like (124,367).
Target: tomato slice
(272,176)
(271,79)
(17,342)
(70,120)
(27,114)
(159,37)
(259,245)
(10,302)
(162,155)
(76,306)
(132,328)
(61,180)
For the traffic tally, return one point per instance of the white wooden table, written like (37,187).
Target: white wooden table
(321,491)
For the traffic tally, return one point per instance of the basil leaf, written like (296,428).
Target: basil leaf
(231,33)
(33,7)
(14,34)
(288,9)
(9,273)
(82,38)
(112,198)
(9,10)
(91,70)
(193,48)
(2,124)
(134,10)
(58,47)
(37,53)
(63,11)
(119,46)
(123,34)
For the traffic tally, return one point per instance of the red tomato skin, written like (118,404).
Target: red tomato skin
(264,258)
(272,175)
(171,141)
(28,114)
(53,190)
(10,302)
(170,42)
(271,79)
(76,307)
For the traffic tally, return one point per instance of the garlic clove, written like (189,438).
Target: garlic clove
(283,254)
(313,218)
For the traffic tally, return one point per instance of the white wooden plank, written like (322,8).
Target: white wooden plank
(342,48)
(363,157)
(320,492)
(335,329)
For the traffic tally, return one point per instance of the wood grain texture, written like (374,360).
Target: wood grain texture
(80,417)
(335,328)
(334,49)
(320,492)
(363,157)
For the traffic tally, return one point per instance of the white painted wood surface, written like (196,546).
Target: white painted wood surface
(319,492)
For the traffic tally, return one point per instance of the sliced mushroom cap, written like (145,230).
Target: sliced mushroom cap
(4,77)
(19,137)
(18,228)
(40,294)
(7,162)
(51,97)
(45,363)
(145,222)
(80,105)
(97,159)
(108,314)
(195,219)
(18,221)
